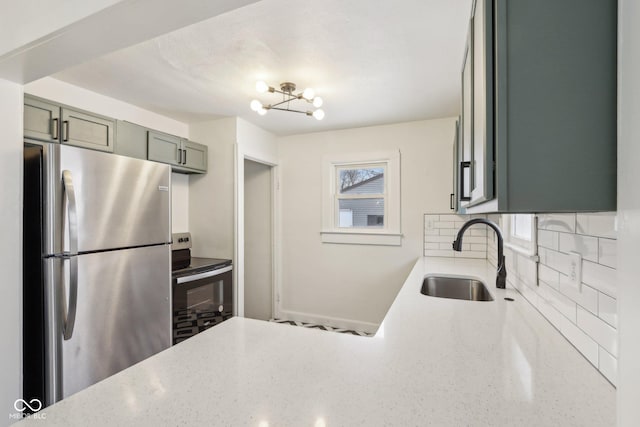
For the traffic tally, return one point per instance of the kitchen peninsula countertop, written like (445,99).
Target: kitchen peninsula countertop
(433,361)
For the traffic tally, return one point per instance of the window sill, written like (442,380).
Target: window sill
(363,237)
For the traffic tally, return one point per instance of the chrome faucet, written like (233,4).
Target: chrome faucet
(501,277)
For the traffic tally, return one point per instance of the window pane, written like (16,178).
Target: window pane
(522,226)
(361,213)
(361,181)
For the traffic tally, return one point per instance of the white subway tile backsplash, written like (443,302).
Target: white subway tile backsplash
(583,342)
(608,309)
(470,254)
(586,297)
(608,252)
(586,246)
(608,365)
(558,301)
(557,222)
(556,260)
(601,224)
(548,275)
(601,277)
(443,224)
(548,311)
(601,332)
(548,239)
(450,232)
(438,252)
(432,245)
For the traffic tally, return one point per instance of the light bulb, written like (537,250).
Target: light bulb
(308,93)
(317,102)
(318,114)
(262,86)
(262,111)
(255,105)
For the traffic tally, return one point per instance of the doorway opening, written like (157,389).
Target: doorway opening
(258,240)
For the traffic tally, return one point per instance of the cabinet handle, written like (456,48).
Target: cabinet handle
(65,130)
(55,131)
(184,160)
(179,156)
(463,166)
(451,198)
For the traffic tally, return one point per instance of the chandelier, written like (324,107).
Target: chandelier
(287,90)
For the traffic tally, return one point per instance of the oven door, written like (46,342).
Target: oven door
(200,301)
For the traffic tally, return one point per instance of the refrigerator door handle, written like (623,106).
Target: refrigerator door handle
(72,215)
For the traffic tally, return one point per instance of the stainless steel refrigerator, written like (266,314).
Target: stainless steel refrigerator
(97,266)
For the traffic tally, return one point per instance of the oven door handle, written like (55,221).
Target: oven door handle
(204,275)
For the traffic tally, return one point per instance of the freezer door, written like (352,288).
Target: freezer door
(120,202)
(123,314)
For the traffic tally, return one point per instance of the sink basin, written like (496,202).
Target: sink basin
(455,287)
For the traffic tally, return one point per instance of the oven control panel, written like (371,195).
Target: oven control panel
(180,241)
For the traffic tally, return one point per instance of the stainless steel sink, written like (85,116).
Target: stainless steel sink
(455,287)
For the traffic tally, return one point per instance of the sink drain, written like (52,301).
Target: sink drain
(508,299)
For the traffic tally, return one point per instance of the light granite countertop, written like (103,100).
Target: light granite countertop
(433,361)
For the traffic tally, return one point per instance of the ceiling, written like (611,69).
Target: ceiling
(372,61)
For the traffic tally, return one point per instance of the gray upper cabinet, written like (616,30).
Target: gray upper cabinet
(544,106)
(48,121)
(185,156)
(87,130)
(165,148)
(132,140)
(194,155)
(41,120)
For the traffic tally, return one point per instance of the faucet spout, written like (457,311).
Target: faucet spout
(501,274)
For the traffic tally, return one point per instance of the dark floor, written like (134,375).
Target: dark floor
(322,327)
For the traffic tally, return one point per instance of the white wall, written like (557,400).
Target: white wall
(354,285)
(10,247)
(75,96)
(628,212)
(78,97)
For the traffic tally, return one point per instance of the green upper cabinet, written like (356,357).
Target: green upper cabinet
(48,121)
(41,119)
(132,140)
(194,155)
(87,130)
(185,156)
(543,107)
(164,148)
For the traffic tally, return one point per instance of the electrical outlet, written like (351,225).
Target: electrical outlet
(575,270)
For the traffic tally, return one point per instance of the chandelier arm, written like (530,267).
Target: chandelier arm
(282,102)
(286,109)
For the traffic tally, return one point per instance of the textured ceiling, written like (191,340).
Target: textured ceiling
(372,61)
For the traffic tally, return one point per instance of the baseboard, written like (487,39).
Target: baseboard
(335,322)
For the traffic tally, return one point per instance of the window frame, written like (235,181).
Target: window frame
(512,241)
(390,232)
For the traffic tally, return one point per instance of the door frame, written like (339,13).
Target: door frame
(242,154)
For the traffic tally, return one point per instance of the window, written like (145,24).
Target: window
(520,232)
(361,199)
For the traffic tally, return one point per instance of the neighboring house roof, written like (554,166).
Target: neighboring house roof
(366,181)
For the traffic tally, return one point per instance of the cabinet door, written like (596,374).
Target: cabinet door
(87,130)
(194,155)
(131,140)
(466,126)
(164,148)
(482,151)
(41,120)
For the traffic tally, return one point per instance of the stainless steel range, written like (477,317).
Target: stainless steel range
(202,290)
